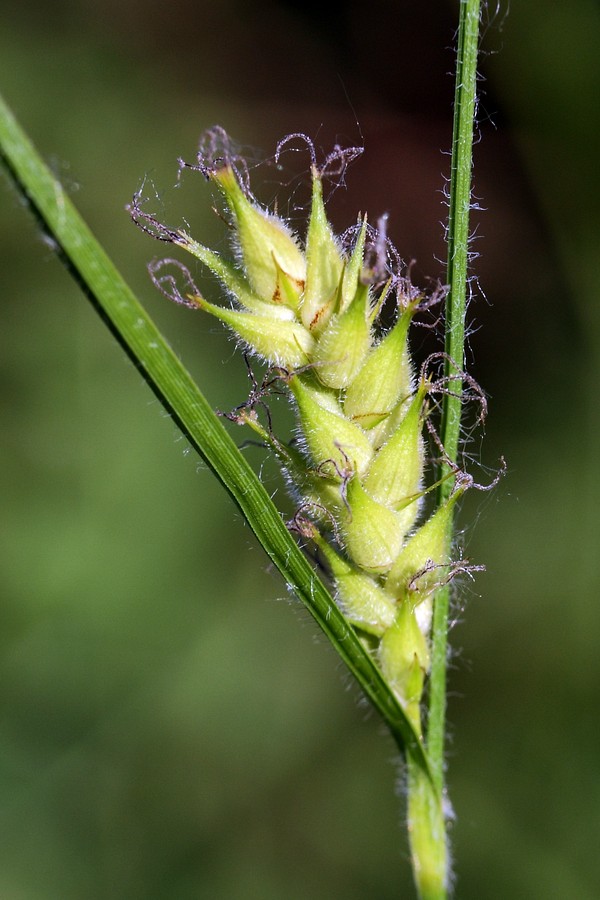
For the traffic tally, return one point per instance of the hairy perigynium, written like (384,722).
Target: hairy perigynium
(357,466)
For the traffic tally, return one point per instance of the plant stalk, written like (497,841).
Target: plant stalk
(426,814)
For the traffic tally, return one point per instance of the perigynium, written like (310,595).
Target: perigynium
(366,440)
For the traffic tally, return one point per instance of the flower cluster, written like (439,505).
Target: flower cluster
(357,467)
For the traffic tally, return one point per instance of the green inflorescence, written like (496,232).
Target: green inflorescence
(357,468)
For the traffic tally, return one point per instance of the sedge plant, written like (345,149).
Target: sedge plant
(377,437)
(311,311)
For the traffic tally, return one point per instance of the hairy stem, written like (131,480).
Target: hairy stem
(458,257)
(426,815)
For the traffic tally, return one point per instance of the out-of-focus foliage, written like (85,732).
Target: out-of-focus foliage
(169,726)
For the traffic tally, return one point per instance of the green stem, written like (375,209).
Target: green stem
(427,836)
(174,387)
(427,831)
(458,258)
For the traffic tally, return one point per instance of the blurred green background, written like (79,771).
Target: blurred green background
(171,724)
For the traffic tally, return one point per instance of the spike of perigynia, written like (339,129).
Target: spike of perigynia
(336,446)
(282,343)
(356,466)
(324,265)
(384,379)
(342,347)
(265,241)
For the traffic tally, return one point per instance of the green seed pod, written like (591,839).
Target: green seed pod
(324,265)
(372,533)
(360,598)
(280,342)
(384,379)
(421,564)
(404,660)
(334,443)
(266,243)
(397,469)
(343,345)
